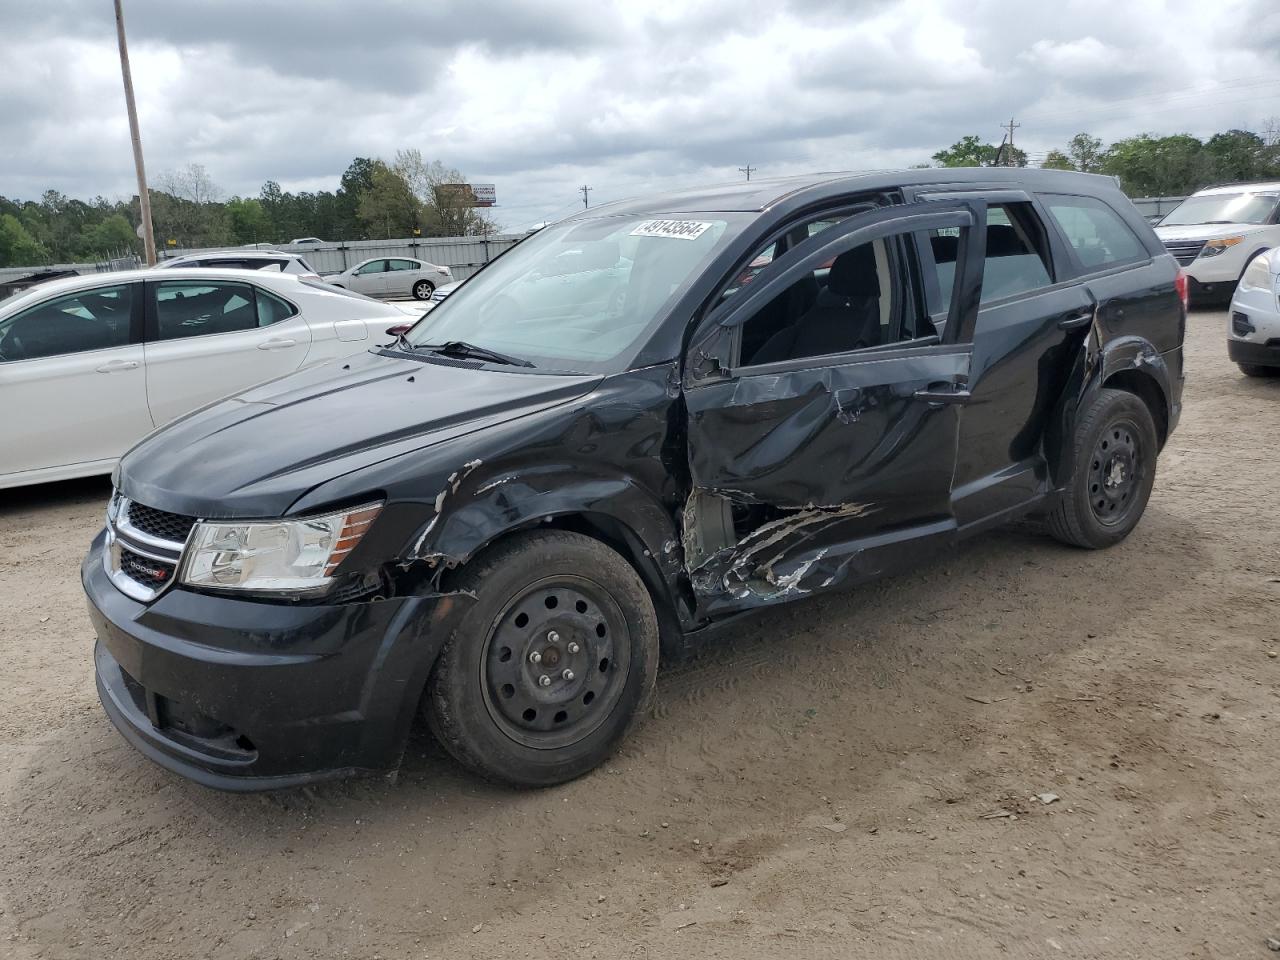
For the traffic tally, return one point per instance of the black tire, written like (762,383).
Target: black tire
(423,289)
(1258,370)
(484,700)
(1114,468)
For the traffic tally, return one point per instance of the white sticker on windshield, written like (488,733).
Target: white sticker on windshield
(675,229)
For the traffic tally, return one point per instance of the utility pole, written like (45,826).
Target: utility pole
(747,170)
(584,190)
(1008,154)
(144,198)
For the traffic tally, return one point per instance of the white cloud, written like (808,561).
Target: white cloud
(628,97)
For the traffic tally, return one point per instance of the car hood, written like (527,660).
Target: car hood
(255,454)
(1206,231)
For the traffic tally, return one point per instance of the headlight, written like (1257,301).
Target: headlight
(293,556)
(1257,275)
(1217,247)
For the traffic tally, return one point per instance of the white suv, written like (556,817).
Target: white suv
(1215,233)
(245,260)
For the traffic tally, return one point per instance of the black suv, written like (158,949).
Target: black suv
(639,421)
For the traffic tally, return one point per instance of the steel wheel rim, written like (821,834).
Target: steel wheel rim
(1117,470)
(568,707)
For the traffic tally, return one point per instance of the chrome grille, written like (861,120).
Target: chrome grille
(144,547)
(160,524)
(152,574)
(1184,251)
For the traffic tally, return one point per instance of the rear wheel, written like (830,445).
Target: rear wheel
(1258,370)
(1113,472)
(547,670)
(423,289)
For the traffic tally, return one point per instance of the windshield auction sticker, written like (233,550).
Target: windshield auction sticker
(675,229)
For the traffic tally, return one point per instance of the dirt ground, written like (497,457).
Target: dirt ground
(822,782)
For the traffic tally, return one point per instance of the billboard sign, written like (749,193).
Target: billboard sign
(470,194)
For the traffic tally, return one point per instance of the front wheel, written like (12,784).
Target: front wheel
(1112,475)
(545,673)
(423,289)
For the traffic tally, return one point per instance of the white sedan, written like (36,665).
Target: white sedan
(90,364)
(393,277)
(1253,330)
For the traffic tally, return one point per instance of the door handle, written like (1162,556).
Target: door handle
(937,397)
(115,366)
(276,343)
(1076,321)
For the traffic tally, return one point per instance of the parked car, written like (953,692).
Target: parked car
(393,277)
(306,241)
(500,518)
(239,260)
(442,291)
(9,288)
(1216,233)
(89,365)
(1253,332)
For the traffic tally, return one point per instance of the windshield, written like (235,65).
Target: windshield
(1224,208)
(579,295)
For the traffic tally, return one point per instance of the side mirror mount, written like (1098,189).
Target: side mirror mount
(399,330)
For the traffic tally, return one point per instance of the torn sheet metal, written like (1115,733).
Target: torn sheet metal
(450,487)
(784,558)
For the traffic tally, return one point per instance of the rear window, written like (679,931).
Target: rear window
(1097,233)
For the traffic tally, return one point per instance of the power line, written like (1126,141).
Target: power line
(585,190)
(747,170)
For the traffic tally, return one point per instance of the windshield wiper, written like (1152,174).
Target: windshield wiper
(461,348)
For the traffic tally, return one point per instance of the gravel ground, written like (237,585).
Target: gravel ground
(852,775)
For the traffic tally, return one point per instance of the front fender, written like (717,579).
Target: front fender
(483,507)
(1095,366)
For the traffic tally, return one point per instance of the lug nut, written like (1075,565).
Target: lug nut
(568,674)
(552,637)
(573,647)
(544,681)
(535,657)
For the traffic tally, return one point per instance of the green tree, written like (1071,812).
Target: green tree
(389,208)
(356,181)
(445,212)
(1241,155)
(1086,153)
(112,236)
(248,220)
(1057,160)
(1159,166)
(18,248)
(970,151)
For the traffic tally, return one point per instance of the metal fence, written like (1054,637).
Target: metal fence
(462,255)
(101,266)
(1156,206)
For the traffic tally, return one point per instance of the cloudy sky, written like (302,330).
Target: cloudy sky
(542,96)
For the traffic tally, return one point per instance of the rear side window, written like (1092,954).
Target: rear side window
(271,309)
(1017,256)
(190,308)
(1098,235)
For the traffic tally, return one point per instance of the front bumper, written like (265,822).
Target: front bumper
(249,695)
(1263,354)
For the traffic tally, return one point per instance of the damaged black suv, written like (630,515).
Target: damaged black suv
(639,421)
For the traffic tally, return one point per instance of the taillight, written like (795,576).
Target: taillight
(1183,287)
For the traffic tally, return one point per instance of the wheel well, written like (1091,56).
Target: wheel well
(1148,391)
(624,541)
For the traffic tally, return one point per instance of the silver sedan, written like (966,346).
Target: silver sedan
(393,277)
